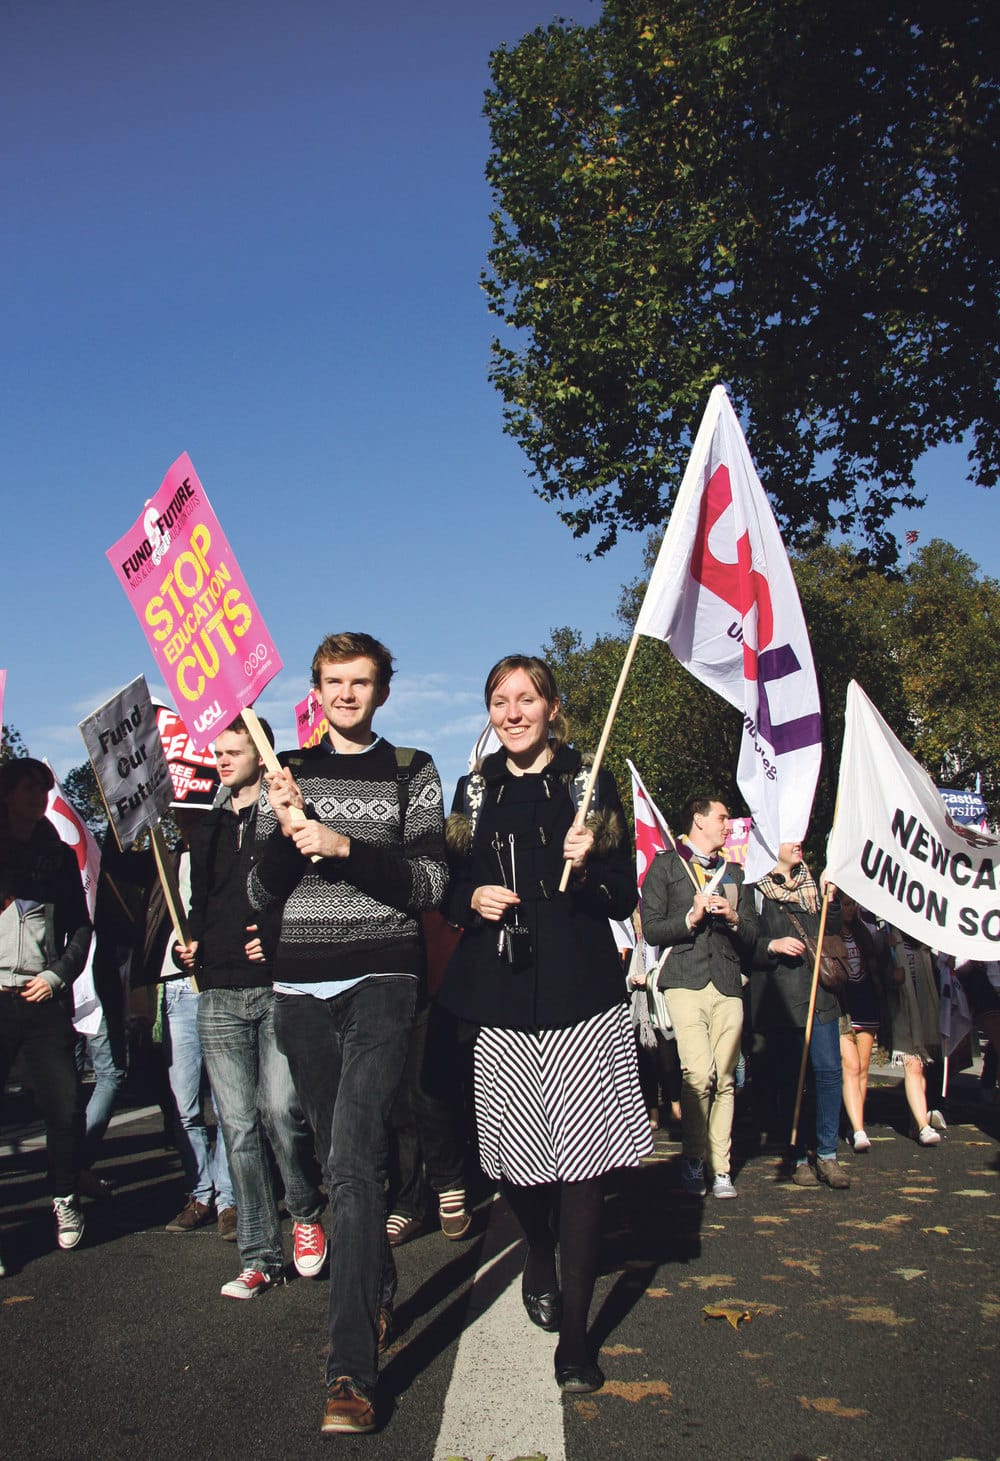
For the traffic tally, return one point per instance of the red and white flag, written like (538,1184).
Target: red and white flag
(723,597)
(74,831)
(651,832)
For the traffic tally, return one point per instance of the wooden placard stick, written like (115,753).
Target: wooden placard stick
(809,1017)
(588,792)
(266,752)
(172,893)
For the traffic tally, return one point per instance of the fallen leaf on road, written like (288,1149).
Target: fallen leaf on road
(830,1405)
(972,1192)
(866,1247)
(638,1390)
(617,1349)
(910,1273)
(807,1264)
(945,1231)
(586,1409)
(893,1221)
(877,1314)
(709,1281)
(19,1299)
(734,1314)
(658,1294)
(770,1220)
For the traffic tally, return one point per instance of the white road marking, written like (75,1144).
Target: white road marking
(502,1399)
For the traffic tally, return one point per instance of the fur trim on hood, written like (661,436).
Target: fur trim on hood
(607,827)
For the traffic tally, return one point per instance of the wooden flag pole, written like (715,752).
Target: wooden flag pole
(588,793)
(809,1018)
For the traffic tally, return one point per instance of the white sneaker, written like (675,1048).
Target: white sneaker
(927,1136)
(251,1283)
(936,1120)
(860,1142)
(69,1221)
(722,1185)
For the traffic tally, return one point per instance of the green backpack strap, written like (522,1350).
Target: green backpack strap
(404,761)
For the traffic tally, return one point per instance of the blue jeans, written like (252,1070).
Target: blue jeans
(206,1172)
(347,1056)
(784,1052)
(108,1058)
(256,1101)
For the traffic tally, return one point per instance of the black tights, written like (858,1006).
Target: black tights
(574,1210)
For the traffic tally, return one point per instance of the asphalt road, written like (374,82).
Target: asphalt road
(861,1324)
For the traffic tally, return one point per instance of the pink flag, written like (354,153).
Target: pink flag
(205,630)
(723,597)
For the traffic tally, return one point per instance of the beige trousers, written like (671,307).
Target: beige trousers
(708,1026)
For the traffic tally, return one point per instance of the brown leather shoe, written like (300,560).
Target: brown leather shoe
(348,1407)
(226,1225)
(804,1176)
(194,1214)
(832,1173)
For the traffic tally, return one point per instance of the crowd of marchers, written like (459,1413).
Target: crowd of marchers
(389,1007)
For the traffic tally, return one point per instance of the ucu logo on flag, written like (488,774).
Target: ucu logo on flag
(746,590)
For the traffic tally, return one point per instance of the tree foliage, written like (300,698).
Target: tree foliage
(923,647)
(12,746)
(798,199)
(80,785)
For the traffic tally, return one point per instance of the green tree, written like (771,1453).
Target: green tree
(80,785)
(12,745)
(797,199)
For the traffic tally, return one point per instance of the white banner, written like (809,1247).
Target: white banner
(76,834)
(125,749)
(723,597)
(897,851)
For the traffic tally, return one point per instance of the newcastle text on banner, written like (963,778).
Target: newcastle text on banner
(896,849)
(182,579)
(723,597)
(125,749)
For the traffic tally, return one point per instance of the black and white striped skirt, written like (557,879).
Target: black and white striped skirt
(560,1105)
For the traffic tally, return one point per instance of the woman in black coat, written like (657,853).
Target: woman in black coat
(556,1089)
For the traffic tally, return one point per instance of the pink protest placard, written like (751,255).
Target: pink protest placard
(310,722)
(205,630)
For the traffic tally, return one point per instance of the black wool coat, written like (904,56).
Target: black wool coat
(574,971)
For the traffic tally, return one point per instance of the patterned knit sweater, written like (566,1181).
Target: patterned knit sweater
(347,917)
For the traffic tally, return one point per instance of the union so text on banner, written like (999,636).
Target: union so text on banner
(896,849)
(205,630)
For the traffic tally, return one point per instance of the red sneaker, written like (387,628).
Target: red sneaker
(250,1283)
(309,1248)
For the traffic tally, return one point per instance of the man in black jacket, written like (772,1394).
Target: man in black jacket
(694,903)
(230,951)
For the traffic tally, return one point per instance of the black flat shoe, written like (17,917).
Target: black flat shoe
(545,1310)
(579,1379)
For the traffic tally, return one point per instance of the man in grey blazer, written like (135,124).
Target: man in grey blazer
(695,903)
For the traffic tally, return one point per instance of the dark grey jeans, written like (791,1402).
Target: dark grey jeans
(347,1056)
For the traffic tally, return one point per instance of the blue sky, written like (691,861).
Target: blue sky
(254,233)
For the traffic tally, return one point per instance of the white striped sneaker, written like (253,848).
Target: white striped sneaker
(69,1221)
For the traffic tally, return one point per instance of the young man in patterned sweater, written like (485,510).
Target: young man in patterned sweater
(354,857)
